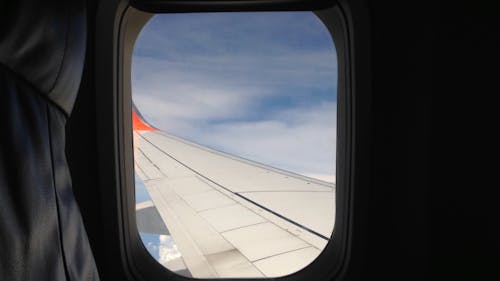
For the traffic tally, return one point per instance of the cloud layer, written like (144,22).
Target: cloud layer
(257,85)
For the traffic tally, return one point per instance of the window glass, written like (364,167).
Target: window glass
(234,123)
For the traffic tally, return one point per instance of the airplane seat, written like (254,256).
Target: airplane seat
(42,52)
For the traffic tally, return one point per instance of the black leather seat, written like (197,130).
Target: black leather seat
(42,51)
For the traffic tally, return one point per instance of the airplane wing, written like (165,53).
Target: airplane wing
(228,216)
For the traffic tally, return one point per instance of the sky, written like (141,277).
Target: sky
(257,85)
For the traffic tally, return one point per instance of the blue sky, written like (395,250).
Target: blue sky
(258,85)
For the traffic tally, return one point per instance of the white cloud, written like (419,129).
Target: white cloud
(304,142)
(257,74)
(300,140)
(167,249)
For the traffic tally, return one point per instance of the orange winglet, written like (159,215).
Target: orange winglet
(138,124)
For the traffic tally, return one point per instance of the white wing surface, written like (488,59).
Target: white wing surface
(228,216)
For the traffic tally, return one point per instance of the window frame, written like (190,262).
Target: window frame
(117,156)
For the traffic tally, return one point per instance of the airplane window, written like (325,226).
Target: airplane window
(234,123)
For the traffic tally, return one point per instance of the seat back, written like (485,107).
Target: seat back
(42,51)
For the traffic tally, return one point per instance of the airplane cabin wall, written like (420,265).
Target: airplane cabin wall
(414,219)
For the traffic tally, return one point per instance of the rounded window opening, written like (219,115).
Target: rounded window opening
(234,123)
